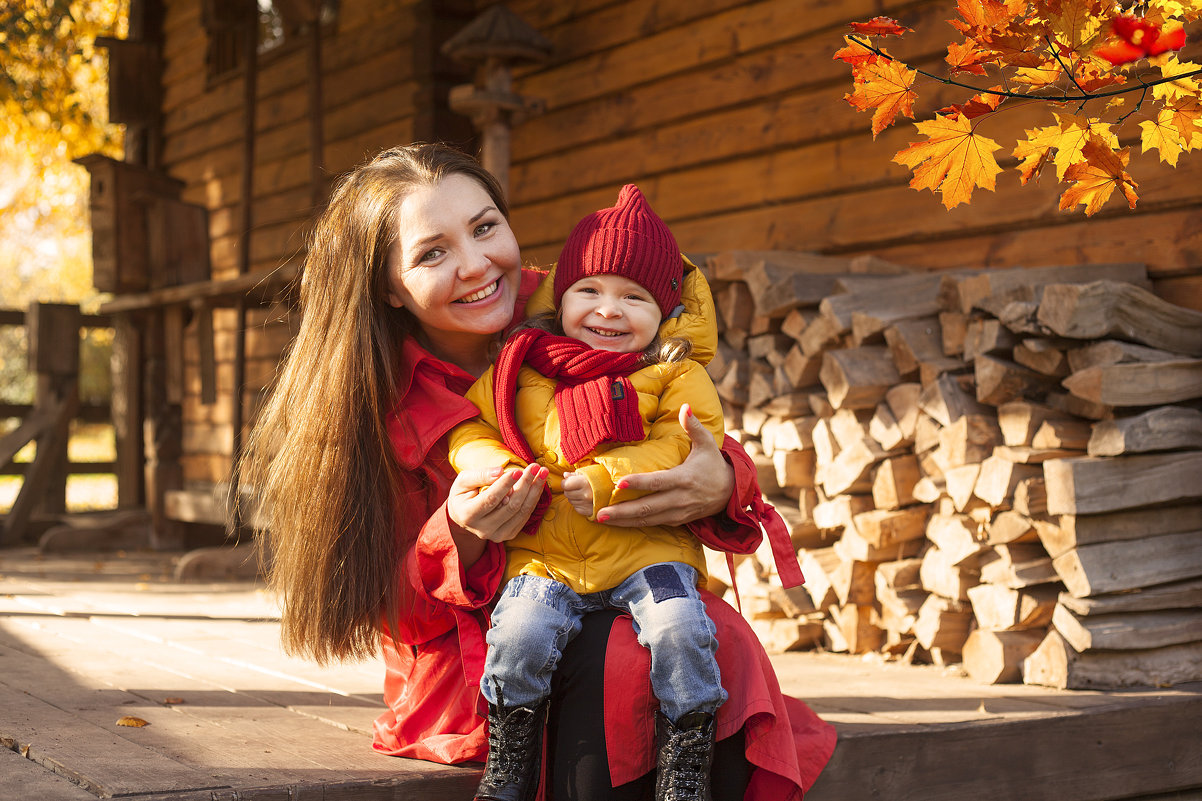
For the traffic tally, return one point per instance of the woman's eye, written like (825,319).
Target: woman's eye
(430,255)
(484,228)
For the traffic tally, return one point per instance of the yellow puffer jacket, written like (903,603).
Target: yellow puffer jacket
(568,547)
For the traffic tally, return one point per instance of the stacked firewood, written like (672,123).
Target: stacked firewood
(986,467)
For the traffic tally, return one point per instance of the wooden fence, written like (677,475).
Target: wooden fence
(53,333)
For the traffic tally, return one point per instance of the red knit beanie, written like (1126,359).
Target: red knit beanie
(628,240)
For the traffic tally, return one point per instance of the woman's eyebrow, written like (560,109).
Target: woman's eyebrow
(481,213)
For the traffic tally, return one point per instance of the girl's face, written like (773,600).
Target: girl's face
(610,312)
(455,265)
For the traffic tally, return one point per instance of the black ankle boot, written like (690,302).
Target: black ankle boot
(515,750)
(686,751)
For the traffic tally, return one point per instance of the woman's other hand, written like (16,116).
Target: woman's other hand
(492,505)
(699,487)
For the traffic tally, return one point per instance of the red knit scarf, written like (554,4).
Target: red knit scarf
(593,396)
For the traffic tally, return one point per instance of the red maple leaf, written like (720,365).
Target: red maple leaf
(880,26)
(1138,38)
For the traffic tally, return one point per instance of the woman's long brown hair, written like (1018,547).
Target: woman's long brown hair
(318,461)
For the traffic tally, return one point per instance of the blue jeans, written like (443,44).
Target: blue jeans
(536,617)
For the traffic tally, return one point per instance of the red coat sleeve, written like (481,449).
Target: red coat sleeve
(740,529)
(441,585)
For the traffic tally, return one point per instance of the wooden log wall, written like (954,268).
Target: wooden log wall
(730,116)
(382,83)
(997,467)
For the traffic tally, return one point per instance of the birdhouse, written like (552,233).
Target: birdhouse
(140,227)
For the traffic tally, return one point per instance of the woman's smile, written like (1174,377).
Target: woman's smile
(481,294)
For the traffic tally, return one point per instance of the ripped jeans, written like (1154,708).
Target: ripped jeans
(536,617)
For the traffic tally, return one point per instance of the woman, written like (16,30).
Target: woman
(413,275)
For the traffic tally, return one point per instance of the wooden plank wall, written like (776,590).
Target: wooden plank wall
(730,116)
(382,84)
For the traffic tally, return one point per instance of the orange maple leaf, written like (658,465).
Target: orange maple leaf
(1094,180)
(967,57)
(1066,138)
(977,106)
(855,53)
(952,160)
(984,15)
(880,26)
(1173,132)
(885,87)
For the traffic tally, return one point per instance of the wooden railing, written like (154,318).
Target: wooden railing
(53,335)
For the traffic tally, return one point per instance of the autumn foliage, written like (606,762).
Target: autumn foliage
(1095,63)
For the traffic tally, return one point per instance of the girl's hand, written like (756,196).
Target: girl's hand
(578,492)
(493,504)
(699,487)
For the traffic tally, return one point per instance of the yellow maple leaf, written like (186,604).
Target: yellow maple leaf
(1094,179)
(1066,139)
(885,87)
(1164,135)
(952,160)
(1180,88)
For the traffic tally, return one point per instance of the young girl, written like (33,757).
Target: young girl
(592,394)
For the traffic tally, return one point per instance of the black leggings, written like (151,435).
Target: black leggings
(578,769)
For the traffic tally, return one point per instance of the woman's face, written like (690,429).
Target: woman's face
(455,265)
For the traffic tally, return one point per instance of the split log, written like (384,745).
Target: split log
(1115,351)
(852,547)
(998,479)
(942,623)
(947,401)
(801,370)
(1009,526)
(1001,380)
(1072,531)
(1031,497)
(1139,384)
(1003,608)
(1055,664)
(1046,356)
(953,329)
(940,576)
(884,429)
(893,483)
(1161,429)
(1019,421)
(860,627)
(969,439)
(735,306)
(1104,484)
(1078,407)
(817,565)
(1034,456)
(886,299)
(837,512)
(781,635)
(884,527)
(820,334)
(848,427)
(916,342)
(972,289)
(858,378)
(929,489)
(902,400)
(996,657)
(1127,631)
(788,434)
(1130,564)
(794,468)
(1108,308)
(852,582)
(1018,565)
(956,537)
(1179,595)
(1062,433)
(848,471)
(959,482)
(987,336)
(769,346)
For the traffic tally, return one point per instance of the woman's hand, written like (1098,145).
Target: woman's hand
(699,487)
(492,505)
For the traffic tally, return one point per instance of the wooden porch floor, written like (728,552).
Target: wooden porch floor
(88,639)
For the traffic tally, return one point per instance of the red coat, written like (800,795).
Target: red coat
(435,658)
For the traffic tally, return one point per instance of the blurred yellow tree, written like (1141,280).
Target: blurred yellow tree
(53,108)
